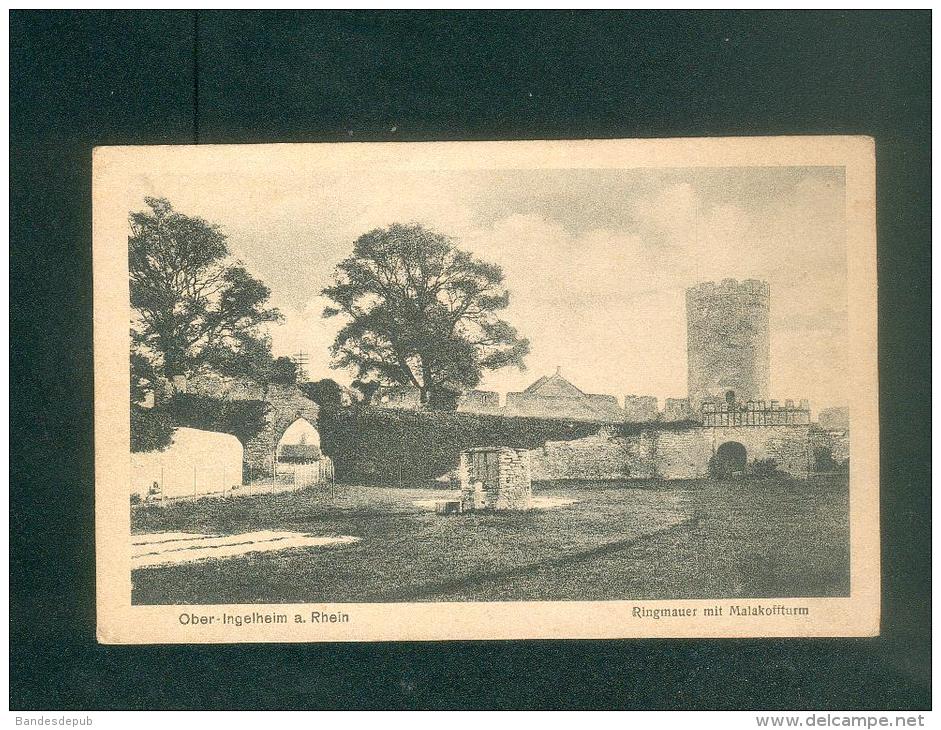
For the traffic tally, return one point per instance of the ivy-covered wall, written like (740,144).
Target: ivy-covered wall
(372,445)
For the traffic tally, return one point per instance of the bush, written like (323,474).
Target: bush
(823,459)
(299,453)
(151,429)
(764,468)
(718,468)
(367,389)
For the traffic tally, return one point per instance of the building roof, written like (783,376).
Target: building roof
(563,399)
(554,386)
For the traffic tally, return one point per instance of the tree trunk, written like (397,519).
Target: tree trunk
(426,386)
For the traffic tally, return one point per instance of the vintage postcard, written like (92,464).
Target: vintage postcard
(486,390)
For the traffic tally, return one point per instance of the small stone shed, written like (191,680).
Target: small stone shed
(496,478)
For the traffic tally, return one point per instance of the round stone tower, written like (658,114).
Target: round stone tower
(728,342)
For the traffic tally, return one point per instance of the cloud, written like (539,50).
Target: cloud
(670,212)
(305,330)
(596,265)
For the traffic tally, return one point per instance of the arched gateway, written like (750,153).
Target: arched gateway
(299,444)
(730,458)
(288,412)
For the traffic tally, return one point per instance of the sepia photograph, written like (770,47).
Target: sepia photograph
(401,382)
(457,360)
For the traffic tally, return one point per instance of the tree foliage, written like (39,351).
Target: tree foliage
(193,306)
(151,430)
(366,389)
(764,468)
(371,445)
(283,371)
(325,393)
(421,312)
(244,419)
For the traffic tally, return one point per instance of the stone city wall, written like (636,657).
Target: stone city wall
(398,396)
(561,407)
(678,409)
(641,408)
(221,386)
(840,445)
(602,456)
(683,454)
(668,454)
(837,441)
(286,403)
(480,401)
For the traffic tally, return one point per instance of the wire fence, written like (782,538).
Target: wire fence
(282,478)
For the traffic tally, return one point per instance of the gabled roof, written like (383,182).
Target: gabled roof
(554,386)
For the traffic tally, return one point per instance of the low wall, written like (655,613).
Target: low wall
(195,463)
(589,407)
(668,453)
(684,455)
(401,447)
(602,456)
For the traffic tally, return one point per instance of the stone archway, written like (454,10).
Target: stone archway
(730,458)
(287,405)
(300,443)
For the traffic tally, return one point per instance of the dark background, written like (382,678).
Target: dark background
(80,79)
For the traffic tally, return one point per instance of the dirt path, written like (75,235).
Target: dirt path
(157,549)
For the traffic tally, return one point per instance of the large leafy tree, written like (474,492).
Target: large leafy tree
(421,312)
(193,306)
(326,393)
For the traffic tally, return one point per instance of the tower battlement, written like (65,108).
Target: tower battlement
(710,289)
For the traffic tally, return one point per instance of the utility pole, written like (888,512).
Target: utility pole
(301,360)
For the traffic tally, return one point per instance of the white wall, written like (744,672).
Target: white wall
(195,462)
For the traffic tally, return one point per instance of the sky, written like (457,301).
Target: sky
(596,260)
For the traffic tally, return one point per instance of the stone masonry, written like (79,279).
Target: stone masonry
(641,408)
(480,401)
(728,341)
(286,404)
(678,409)
(669,453)
(496,478)
(602,456)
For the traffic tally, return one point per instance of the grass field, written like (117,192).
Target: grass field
(632,540)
